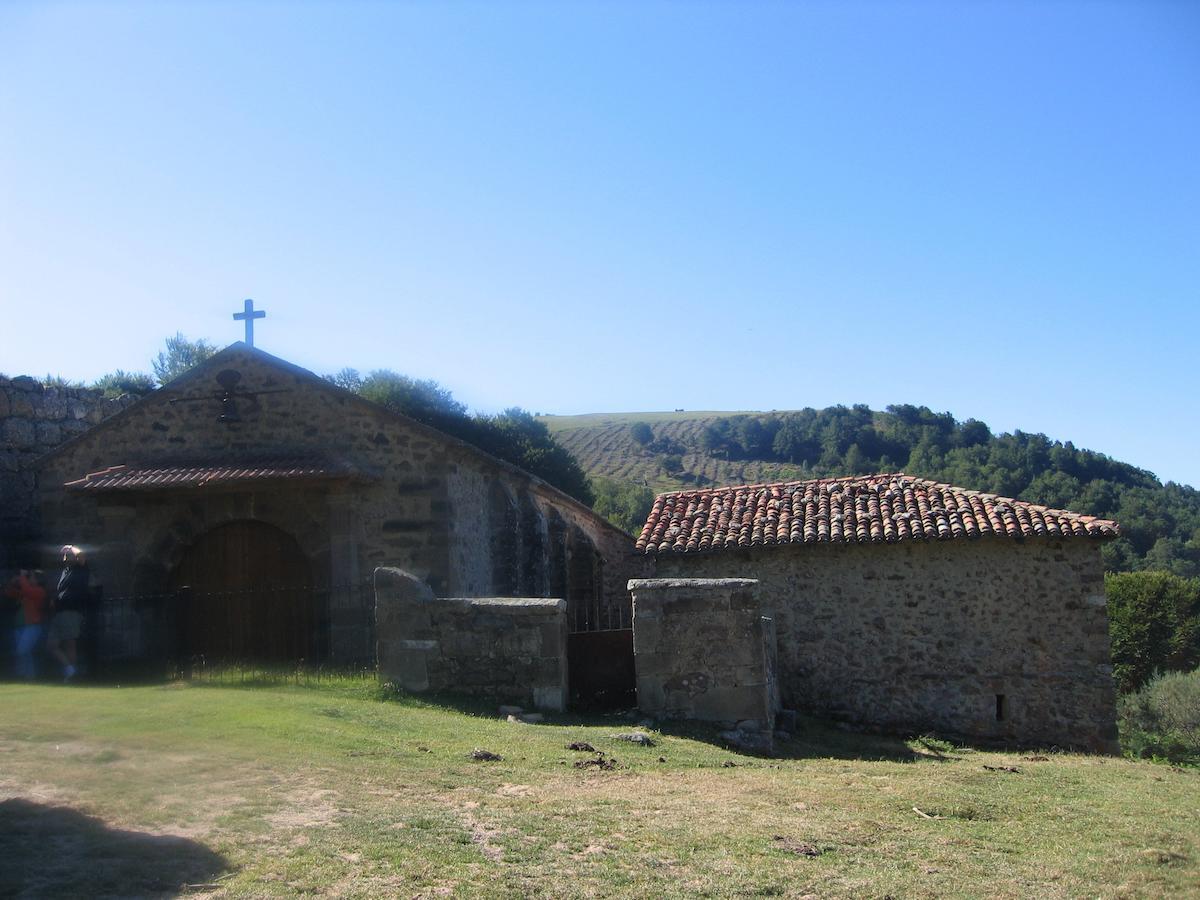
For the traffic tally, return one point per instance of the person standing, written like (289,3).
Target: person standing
(30,591)
(69,604)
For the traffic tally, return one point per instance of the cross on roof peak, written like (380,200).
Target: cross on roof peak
(249,314)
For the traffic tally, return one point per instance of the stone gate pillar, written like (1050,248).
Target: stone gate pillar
(704,648)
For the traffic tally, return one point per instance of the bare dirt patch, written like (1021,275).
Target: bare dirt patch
(307,807)
(481,832)
(514,790)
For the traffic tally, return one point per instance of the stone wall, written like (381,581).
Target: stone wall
(513,649)
(33,420)
(704,648)
(992,638)
(419,499)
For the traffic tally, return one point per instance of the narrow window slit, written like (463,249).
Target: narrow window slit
(1001,707)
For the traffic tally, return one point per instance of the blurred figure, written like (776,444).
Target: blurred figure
(69,603)
(29,590)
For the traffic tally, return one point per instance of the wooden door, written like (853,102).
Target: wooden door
(251,596)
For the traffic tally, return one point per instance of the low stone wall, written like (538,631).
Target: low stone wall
(35,419)
(704,649)
(511,648)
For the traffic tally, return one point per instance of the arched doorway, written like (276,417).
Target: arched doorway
(251,596)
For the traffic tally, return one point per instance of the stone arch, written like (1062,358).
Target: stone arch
(585,592)
(245,591)
(535,549)
(556,568)
(167,547)
(504,525)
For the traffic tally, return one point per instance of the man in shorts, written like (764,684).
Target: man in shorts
(69,604)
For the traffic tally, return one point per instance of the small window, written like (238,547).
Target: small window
(1001,707)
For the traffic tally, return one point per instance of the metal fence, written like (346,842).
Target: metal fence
(589,613)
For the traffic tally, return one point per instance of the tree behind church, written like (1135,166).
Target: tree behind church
(513,435)
(180,355)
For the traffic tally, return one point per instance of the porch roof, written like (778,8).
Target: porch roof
(212,474)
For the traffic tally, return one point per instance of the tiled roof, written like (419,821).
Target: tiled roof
(858,510)
(128,478)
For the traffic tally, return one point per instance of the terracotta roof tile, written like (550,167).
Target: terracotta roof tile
(858,510)
(127,478)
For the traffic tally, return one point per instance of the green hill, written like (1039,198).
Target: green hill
(630,456)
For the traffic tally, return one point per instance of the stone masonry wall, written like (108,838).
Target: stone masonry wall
(35,419)
(989,639)
(704,649)
(512,649)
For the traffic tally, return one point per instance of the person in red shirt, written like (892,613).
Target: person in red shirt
(29,589)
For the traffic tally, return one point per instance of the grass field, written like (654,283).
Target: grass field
(335,789)
(604,447)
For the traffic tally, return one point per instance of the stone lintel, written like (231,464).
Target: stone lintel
(531,605)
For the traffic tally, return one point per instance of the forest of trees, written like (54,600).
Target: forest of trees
(1160,522)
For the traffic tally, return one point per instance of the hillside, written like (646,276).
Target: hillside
(630,456)
(605,447)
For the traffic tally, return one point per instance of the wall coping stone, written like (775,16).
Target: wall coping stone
(535,605)
(653,584)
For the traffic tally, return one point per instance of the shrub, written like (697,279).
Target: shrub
(1162,720)
(1154,621)
(114,384)
(625,505)
(641,432)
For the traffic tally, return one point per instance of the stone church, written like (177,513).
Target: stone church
(271,496)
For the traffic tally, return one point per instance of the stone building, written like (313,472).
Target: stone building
(273,495)
(907,604)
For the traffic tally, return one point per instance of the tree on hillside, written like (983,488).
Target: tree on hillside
(180,355)
(641,432)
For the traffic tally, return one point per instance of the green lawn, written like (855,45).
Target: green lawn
(227,790)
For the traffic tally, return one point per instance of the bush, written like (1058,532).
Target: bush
(1154,621)
(1162,720)
(114,384)
(625,505)
(641,432)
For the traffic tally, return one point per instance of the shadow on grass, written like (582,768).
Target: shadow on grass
(55,851)
(813,739)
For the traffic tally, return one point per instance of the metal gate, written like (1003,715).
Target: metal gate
(599,639)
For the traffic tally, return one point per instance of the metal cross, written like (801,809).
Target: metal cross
(249,315)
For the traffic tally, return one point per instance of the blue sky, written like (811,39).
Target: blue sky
(987,208)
